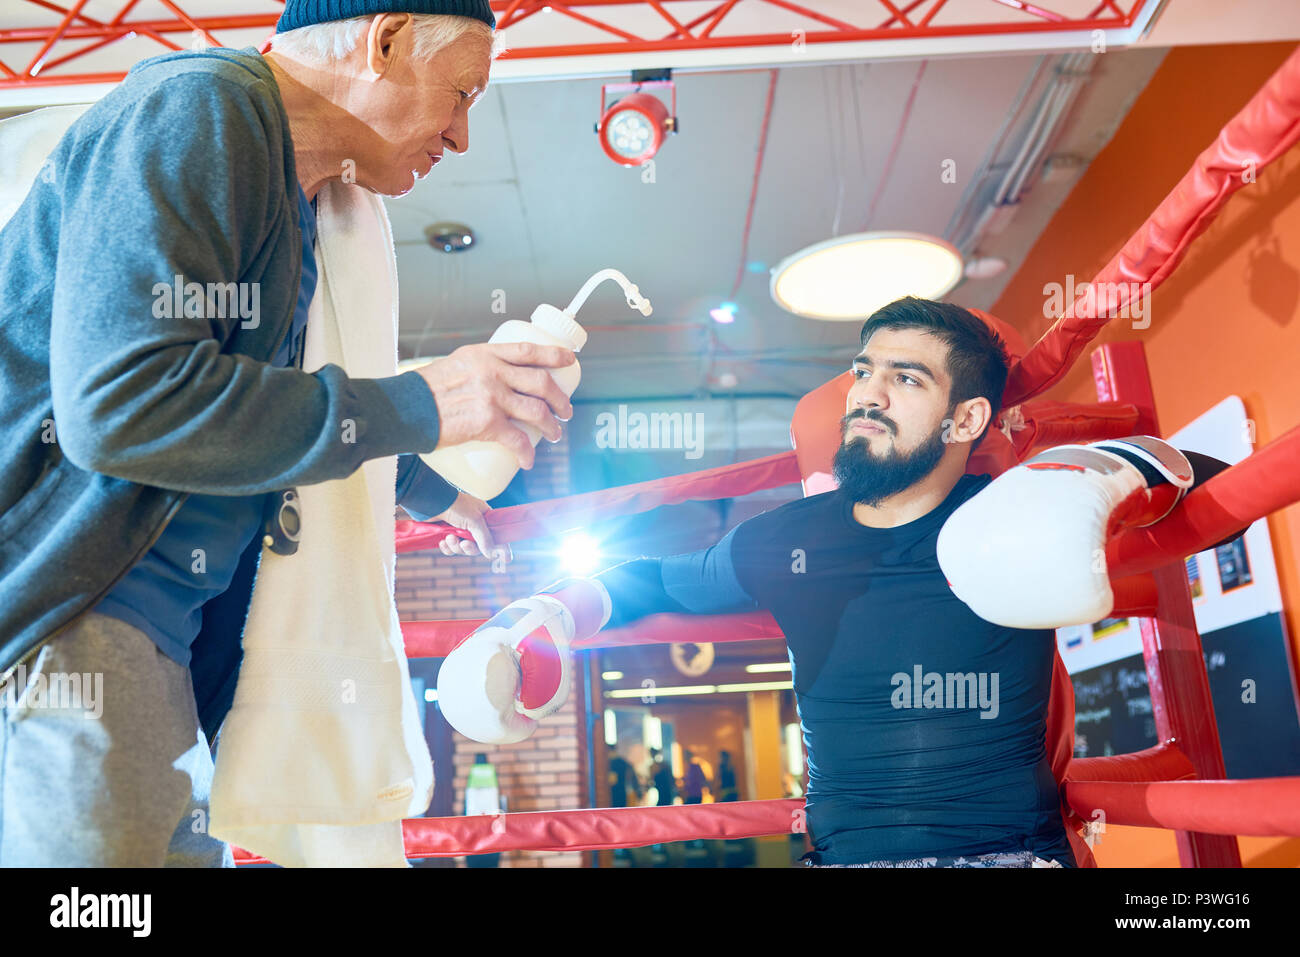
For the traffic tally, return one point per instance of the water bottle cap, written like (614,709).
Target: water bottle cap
(561,325)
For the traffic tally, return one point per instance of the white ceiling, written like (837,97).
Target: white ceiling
(549,209)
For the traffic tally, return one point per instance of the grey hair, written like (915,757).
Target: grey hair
(335,39)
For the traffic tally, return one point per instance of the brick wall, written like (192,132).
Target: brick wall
(544,772)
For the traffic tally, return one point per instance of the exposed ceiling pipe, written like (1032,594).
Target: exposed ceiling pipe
(1028,141)
(1071,72)
(960,225)
(1073,75)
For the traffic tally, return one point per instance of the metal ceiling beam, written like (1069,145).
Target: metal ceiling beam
(71,34)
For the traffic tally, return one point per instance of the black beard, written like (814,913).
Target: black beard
(869,478)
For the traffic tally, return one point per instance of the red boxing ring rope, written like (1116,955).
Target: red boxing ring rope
(436,639)
(517,522)
(1264,129)
(1264,806)
(1261,807)
(1266,481)
(1044,423)
(598,829)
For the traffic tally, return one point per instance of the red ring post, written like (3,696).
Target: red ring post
(1171,645)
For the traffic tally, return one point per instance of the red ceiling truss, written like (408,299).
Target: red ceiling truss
(71,34)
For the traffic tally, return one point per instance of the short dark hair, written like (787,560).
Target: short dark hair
(978,362)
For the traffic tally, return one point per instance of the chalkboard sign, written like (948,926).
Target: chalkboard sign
(1112,709)
(1254,702)
(1250,682)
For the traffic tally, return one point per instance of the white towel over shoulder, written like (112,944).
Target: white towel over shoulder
(322,754)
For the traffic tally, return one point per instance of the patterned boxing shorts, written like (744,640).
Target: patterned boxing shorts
(1000,859)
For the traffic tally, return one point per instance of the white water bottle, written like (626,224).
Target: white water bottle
(484,469)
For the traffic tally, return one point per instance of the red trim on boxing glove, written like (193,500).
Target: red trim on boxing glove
(540,668)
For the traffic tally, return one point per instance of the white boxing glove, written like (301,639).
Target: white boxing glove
(1029,550)
(515,669)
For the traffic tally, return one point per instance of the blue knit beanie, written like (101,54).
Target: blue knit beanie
(302,13)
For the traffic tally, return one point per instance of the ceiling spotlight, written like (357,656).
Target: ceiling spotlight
(449,237)
(850,277)
(632,129)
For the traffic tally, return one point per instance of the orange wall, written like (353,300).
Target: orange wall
(1226,322)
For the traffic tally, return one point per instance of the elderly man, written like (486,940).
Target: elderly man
(140,437)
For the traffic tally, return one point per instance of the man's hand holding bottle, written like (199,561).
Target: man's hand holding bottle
(480,388)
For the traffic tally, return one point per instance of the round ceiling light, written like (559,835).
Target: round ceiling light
(850,277)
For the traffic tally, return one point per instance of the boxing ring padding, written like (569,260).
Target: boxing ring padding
(1160,762)
(1259,807)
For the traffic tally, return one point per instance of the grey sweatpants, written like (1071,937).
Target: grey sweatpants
(102,762)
